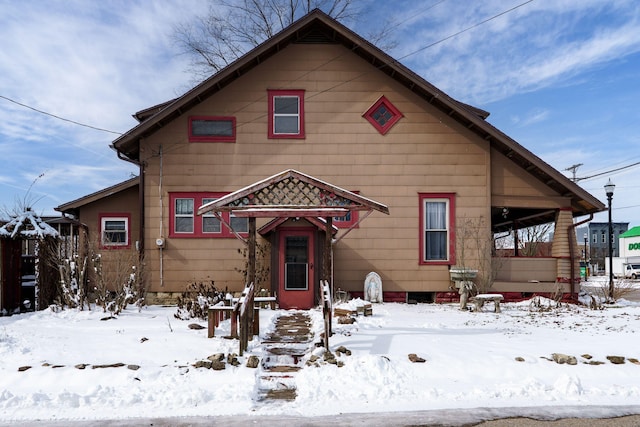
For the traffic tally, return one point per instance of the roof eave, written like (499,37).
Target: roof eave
(72,206)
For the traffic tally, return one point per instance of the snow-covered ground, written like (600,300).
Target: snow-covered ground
(472,360)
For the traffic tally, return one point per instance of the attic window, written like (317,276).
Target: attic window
(286,114)
(212,129)
(383,115)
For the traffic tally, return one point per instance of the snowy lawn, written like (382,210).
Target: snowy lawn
(473,360)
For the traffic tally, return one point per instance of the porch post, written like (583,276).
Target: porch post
(326,270)
(251,256)
(563,248)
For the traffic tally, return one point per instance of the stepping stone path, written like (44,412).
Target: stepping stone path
(284,349)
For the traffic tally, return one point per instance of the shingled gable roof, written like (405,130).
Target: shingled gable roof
(291,193)
(317,27)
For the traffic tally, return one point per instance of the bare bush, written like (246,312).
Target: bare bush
(121,283)
(541,304)
(195,301)
(262,265)
(621,288)
(476,249)
(72,288)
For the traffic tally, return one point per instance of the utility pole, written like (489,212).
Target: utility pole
(573,170)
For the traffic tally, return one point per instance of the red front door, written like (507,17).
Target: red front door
(296,257)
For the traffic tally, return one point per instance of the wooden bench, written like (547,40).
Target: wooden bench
(480,299)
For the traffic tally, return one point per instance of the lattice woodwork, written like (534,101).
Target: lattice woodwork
(292,191)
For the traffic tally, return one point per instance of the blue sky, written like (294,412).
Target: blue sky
(560,77)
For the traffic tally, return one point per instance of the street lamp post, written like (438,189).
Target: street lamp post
(608,188)
(586,258)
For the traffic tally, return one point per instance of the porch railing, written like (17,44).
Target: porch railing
(327,308)
(526,269)
(247,314)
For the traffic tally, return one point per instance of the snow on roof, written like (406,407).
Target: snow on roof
(27,225)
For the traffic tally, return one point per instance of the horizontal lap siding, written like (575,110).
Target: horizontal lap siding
(426,151)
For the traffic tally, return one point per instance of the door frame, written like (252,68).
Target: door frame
(303,299)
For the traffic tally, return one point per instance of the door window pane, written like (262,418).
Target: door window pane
(296,263)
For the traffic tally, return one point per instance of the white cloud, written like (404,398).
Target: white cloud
(533,117)
(538,45)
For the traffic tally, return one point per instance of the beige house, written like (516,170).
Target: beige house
(339,157)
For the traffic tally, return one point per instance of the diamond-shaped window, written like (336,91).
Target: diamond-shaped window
(383,115)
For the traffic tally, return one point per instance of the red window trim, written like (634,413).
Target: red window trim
(397,115)
(211,138)
(197,219)
(272,93)
(451,197)
(355,216)
(106,215)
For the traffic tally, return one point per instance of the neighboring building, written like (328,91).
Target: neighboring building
(301,139)
(629,244)
(582,236)
(598,246)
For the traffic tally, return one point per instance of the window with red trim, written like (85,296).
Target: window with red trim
(115,230)
(286,114)
(437,228)
(383,115)
(212,129)
(348,220)
(184,222)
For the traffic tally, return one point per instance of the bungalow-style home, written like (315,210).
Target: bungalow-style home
(328,159)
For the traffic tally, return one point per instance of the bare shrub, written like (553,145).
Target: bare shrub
(476,249)
(262,265)
(121,283)
(542,304)
(621,288)
(72,288)
(195,301)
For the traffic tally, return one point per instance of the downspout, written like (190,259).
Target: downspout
(140,165)
(141,223)
(161,247)
(572,251)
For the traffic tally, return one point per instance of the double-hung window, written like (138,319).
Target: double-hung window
(114,230)
(183,215)
(437,228)
(185,223)
(286,114)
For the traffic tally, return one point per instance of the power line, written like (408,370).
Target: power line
(176,145)
(606,172)
(58,117)
(466,29)
(324,91)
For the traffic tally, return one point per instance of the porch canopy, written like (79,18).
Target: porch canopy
(292,194)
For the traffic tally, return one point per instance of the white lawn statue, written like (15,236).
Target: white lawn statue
(373,287)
